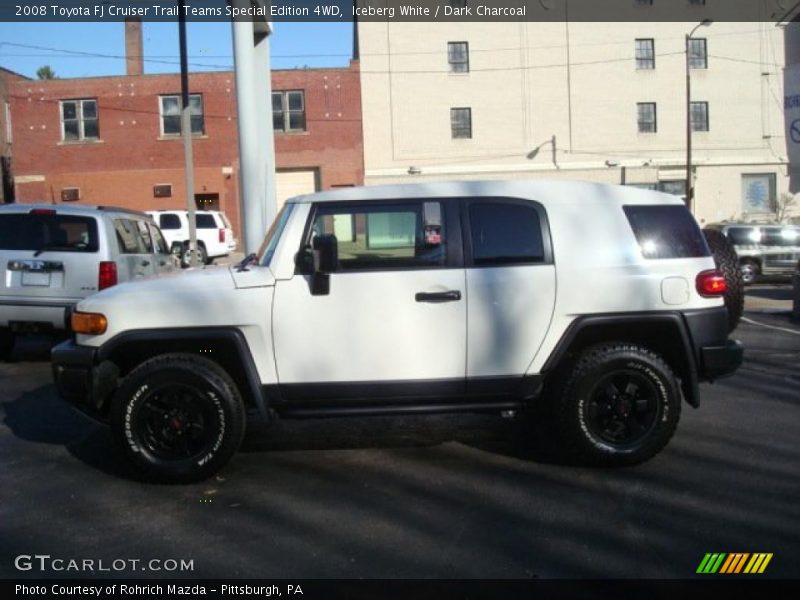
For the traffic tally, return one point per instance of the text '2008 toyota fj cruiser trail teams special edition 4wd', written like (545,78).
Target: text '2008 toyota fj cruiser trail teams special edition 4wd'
(601,301)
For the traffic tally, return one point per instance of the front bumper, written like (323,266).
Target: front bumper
(719,361)
(82,381)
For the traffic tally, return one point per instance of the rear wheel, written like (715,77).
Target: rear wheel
(727,261)
(6,343)
(178,418)
(619,406)
(750,271)
(202,256)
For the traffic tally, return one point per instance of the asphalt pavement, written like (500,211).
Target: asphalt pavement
(421,497)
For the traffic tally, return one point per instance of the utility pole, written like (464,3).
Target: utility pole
(689,178)
(186,133)
(256,136)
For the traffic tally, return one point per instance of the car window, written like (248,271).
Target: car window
(505,233)
(384,236)
(169,221)
(666,231)
(158,241)
(742,236)
(781,236)
(129,237)
(144,231)
(35,231)
(205,221)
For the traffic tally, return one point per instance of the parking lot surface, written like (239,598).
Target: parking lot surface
(421,497)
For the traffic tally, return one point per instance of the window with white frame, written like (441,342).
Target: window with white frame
(170,110)
(461,123)
(645,54)
(698,53)
(289,111)
(79,120)
(699,116)
(458,57)
(646,117)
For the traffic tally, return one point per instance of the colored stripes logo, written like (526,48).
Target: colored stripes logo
(737,562)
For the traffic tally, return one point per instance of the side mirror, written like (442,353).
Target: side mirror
(176,249)
(326,260)
(326,253)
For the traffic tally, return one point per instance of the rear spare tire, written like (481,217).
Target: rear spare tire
(727,262)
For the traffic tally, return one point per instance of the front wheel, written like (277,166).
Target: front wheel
(620,405)
(178,418)
(750,272)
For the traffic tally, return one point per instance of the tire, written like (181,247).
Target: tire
(6,343)
(203,418)
(620,405)
(750,271)
(202,256)
(727,262)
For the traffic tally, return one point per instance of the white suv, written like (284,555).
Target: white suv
(214,234)
(51,256)
(601,302)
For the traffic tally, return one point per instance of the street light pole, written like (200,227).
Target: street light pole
(689,182)
(186,133)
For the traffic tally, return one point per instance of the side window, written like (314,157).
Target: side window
(743,236)
(785,237)
(158,241)
(505,234)
(144,232)
(129,238)
(385,236)
(169,221)
(205,221)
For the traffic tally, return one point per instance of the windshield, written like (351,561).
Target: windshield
(273,235)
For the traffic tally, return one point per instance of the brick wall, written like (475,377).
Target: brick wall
(131,156)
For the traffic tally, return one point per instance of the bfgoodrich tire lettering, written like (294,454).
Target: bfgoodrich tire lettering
(178,418)
(620,405)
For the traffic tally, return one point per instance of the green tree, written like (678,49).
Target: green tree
(45,72)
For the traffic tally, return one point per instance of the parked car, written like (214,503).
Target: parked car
(214,234)
(601,302)
(51,256)
(763,250)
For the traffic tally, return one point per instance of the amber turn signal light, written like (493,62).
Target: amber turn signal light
(89,323)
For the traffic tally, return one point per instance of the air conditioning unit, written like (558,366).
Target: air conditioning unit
(70,194)
(163,190)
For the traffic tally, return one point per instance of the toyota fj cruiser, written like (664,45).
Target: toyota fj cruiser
(602,302)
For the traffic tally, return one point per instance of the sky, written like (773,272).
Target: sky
(69,48)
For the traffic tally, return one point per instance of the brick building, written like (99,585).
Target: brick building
(116,140)
(6,139)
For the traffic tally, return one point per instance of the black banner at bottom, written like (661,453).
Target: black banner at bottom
(333,589)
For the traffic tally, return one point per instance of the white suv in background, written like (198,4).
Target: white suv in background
(214,233)
(52,256)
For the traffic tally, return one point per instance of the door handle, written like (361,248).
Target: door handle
(145,263)
(435,297)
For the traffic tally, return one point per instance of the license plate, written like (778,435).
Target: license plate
(36,279)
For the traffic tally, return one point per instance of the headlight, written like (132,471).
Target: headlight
(90,323)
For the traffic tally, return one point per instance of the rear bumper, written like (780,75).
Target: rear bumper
(80,380)
(719,361)
(22,316)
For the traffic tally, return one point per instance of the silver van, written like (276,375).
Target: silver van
(52,256)
(764,250)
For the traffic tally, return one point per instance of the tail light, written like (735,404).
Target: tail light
(221,235)
(711,284)
(107,274)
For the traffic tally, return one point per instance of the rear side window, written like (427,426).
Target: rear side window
(782,237)
(666,231)
(505,234)
(169,221)
(65,233)
(205,222)
(129,237)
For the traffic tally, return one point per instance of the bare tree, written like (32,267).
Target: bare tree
(784,206)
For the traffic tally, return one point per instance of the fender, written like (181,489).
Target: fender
(240,365)
(677,349)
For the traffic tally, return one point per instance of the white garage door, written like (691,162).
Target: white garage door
(295,182)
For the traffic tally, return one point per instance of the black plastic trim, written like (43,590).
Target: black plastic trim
(196,333)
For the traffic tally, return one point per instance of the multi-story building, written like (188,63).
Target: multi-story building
(116,140)
(580,100)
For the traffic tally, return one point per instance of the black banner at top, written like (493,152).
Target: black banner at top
(401,10)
